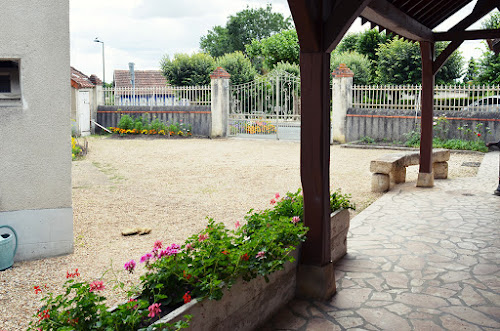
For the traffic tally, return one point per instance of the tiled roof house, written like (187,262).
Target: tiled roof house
(143,78)
(80,80)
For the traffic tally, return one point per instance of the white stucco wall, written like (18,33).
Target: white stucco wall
(35,147)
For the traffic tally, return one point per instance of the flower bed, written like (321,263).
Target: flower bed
(205,267)
(142,126)
(252,127)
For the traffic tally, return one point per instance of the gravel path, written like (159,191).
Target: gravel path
(171,186)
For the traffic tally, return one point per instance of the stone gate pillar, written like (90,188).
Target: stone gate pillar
(220,103)
(341,102)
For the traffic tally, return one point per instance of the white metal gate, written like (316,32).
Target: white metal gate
(266,107)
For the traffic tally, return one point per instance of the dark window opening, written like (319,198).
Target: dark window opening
(5,84)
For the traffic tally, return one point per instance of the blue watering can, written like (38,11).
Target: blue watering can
(7,248)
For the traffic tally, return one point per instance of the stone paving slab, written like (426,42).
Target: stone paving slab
(418,259)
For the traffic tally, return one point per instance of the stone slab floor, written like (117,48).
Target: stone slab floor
(418,259)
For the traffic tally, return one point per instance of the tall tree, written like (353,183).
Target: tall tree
(399,62)
(280,47)
(241,29)
(489,62)
(472,71)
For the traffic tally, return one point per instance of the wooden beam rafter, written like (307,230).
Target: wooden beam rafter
(381,12)
(445,54)
(467,35)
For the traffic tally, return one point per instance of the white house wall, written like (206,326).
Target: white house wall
(35,147)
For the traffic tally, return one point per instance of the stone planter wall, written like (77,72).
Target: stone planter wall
(339,225)
(243,307)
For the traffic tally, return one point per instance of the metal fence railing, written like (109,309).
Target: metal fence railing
(446,98)
(158,96)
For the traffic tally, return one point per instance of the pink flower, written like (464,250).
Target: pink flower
(273,201)
(295,219)
(277,195)
(129,266)
(169,251)
(146,257)
(202,237)
(237,224)
(154,309)
(96,285)
(261,255)
(189,246)
(157,245)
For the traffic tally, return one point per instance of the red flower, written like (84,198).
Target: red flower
(273,201)
(72,275)
(479,135)
(187,276)
(37,289)
(244,257)
(43,315)
(186,297)
(97,285)
(225,252)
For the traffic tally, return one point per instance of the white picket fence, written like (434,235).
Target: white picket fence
(446,98)
(158,96)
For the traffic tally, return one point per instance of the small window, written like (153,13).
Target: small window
(5,83)
(10,89)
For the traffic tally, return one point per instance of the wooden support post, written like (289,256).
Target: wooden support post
(316,276)
(425,177)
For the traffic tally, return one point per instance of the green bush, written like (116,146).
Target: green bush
(238,66)
(280,47)
(358,63)
(291,68)
(188,70)
(126,122)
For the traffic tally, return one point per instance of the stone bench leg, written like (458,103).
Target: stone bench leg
(399,175)
(440,170)
(380,183)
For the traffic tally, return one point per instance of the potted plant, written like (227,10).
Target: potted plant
(292,204)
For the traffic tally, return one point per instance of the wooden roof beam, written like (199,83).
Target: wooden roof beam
(467,35)
(482,8)
(339,20)
(307,19)
(445,54)
(386,14)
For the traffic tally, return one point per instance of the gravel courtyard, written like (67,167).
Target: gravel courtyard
(170,186)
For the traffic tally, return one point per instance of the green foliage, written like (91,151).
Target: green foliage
(216,42)
(358,63)
(367,140)
(239,66)
(280,47)
(489,63)
(489,68)
(470,136)
(143,125)
(216,257)
(293,204)
(188,70)
(400,63)
(348,43)
(472,71)
(291,68)
(241,29)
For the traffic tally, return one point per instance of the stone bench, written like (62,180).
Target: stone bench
(390,169)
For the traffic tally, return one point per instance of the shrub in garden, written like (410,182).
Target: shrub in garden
(238,66)
(188,70)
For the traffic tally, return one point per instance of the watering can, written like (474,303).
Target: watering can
(8,248)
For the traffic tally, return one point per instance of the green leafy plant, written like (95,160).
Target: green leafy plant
(367,140)
(206,264)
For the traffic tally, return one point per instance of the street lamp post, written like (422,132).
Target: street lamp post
(103,70)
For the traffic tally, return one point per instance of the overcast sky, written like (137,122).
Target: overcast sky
(143,31)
